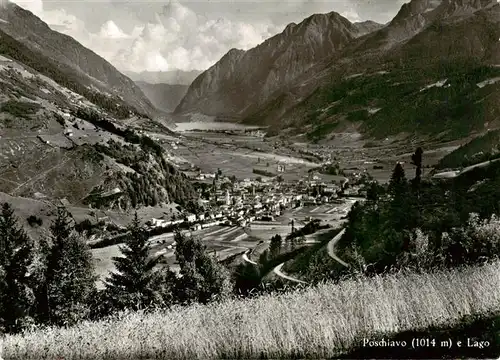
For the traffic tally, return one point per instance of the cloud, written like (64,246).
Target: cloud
(110,30)
(177,39)
(188,35)
(351,15)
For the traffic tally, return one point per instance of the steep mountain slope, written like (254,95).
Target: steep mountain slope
(86,68)
(416,15)
(56,144)
(432,70)
(163,96)
(241,81)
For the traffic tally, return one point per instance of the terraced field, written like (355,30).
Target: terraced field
(225,241)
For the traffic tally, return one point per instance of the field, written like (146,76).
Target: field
(380,157)
(319,322)
(330,214)
(226,241)
(48,164)
(24,207)
(236,155)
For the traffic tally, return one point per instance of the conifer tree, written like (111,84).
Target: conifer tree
(16,257)
(203,279)
(246,278)
(401,200)
(136,284)
(373,193)
(263,259)
(275,245)
(416,159)
(69,277)
(398,183)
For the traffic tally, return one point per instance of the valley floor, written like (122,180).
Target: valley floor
(324,321)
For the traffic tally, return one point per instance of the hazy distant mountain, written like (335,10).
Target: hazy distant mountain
(366,27)
(173,77)
(243,80)
(419,73)
(164,96)
(81,65)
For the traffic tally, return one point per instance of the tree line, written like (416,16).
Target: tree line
(424,224)
(51,281)
(154,181)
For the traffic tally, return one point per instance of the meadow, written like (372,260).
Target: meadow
(322,321)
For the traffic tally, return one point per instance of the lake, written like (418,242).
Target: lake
(198,125)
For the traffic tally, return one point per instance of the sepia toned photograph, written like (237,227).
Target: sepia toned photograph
(237,179)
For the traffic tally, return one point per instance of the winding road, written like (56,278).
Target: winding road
(331,246)
(277,271)
(245,258)
(330,249)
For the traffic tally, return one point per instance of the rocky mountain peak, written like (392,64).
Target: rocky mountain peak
(234,53)
(431,9)
(416,15)
(262,70)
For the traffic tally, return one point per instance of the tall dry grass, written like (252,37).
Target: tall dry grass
(315,322)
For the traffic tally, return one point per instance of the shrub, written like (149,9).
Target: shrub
(34,220)
(85,225)
(20,108)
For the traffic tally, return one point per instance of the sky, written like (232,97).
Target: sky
(187,35)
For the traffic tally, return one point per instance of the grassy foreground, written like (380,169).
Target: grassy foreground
(312,322)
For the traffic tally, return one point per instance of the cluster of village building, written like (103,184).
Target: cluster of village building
(239,203)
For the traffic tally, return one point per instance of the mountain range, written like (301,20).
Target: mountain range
(69,126)
(84,68)
(172,77)
(164,97)
(68,117)
(165,89)
(270,66)
(327,73)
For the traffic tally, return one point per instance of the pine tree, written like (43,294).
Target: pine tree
(137,285)
(401,199)
(16,257)
(275,245)
(398,182)
(69,277)
(372,193)
(203,279)
(416,159)
(263,259)
(246,278)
